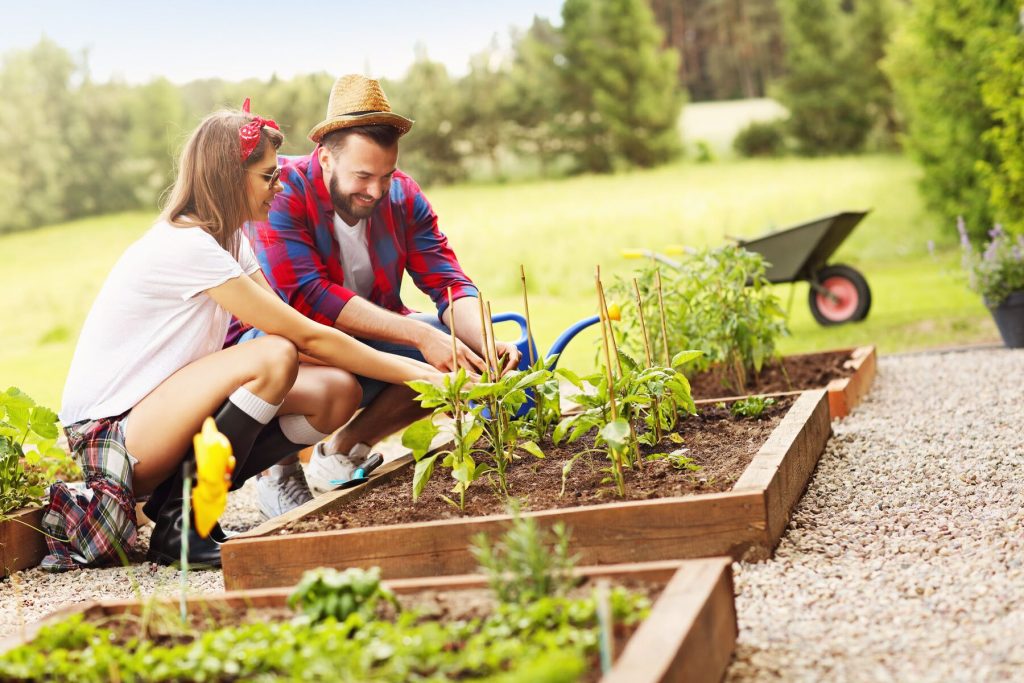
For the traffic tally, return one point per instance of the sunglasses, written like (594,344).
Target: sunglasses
(271,177)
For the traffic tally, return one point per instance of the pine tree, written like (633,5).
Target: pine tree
(828,114)
(621,85)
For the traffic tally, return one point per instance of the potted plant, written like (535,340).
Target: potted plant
(997,273)
(29,461)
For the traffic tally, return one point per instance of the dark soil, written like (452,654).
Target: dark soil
(720,444)
(793,373)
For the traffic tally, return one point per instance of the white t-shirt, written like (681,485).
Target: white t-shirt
(355,256)
(151,318)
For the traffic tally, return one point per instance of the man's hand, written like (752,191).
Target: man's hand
(508,356)
(436,347)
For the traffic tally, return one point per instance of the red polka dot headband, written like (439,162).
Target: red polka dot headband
(249,134)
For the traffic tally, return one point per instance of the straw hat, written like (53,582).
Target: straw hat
(357,101)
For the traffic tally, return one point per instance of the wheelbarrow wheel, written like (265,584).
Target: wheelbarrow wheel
(846,296)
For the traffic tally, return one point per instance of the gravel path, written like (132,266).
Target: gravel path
(903,562)
(905,559)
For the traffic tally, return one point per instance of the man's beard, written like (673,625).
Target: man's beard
(346,207)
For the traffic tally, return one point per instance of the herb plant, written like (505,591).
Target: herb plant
(325,592)
(526,564)
(652,397)
(718,301)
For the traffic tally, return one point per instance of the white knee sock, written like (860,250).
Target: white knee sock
(296,428)
(253,406)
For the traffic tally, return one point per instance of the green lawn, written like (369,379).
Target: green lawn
(560,230)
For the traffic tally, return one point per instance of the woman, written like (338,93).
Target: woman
(149,366)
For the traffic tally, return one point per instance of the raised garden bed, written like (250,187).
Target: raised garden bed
(22,544)
(689,634)
(745,521)
(846,374)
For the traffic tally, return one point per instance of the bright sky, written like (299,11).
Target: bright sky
(188,39)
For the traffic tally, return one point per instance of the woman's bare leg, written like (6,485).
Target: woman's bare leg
(161,426)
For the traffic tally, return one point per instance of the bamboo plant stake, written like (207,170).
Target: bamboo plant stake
(499,414)
(451,328)
(538,399)
(664,333)
(608,320)
(614,348)
(650,360)
(529,328)
(602,315)
(483,335)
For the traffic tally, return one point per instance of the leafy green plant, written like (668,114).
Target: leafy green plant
(651,396)
(502,398)
(751,406)
(328,593)
(466,427)
(761,139)
(526,563)
(718,301)
(24,476)
(678,459)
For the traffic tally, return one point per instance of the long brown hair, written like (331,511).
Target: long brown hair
(210,189)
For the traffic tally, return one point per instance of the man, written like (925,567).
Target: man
(340,237)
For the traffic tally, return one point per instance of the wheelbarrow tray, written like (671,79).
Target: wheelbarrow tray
(797,253)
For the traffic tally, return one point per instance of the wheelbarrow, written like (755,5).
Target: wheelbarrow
(838,293)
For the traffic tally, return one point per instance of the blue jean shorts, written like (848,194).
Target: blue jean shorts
(373,387)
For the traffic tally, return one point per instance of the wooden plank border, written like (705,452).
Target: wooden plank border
(689,635)
(746,522)
(844,394)
(22,543)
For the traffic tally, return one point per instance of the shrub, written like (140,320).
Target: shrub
(761,139)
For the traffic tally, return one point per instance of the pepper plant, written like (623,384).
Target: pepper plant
(652,397)
(487,409)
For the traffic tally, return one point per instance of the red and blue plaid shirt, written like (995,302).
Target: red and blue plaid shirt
(300,257)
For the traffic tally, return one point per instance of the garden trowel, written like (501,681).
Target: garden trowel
(361,474)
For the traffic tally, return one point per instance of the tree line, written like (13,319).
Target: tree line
(600,92)
(597,93)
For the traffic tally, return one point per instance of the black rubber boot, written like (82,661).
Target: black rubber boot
(165,505)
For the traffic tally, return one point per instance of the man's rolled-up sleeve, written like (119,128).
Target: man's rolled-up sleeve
(431,261)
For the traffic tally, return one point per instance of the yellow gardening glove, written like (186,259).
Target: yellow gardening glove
(214,465)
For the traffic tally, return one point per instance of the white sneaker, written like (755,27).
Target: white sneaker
(326,467)
(282,490)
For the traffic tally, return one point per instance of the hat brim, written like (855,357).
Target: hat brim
(348,121)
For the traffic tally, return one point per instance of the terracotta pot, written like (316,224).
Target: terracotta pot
(1009,317)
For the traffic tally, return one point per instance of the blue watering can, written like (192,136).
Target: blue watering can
(524,342)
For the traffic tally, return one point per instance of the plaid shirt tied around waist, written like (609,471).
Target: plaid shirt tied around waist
(95,526)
